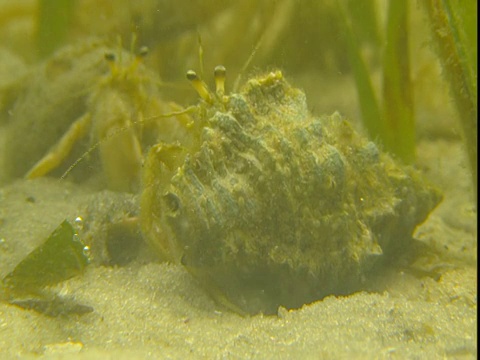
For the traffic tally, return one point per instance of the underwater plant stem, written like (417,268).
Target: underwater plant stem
(54,20)
(364,17)
(392,123)
(371,115)
(399,137)
(458,70)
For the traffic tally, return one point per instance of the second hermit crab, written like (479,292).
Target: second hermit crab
(88,95)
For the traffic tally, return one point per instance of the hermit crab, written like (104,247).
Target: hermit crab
(270,206)
(88,95)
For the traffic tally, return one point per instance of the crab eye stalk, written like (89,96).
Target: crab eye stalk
(219,74)
(139,56)
(110,57)
(112,62)
(199,86)
(144,50)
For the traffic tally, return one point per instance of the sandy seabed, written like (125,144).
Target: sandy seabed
(156,310)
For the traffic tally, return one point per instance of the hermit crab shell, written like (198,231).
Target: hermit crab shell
(275,207)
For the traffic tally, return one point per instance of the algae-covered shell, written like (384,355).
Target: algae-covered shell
(275,207)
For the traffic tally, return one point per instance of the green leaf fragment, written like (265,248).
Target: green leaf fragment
(61,257)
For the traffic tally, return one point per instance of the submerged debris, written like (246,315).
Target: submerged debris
(61,257)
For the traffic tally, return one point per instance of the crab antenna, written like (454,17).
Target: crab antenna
(199,86)
(142,53)
(247,63)
(133,41)
(200,53)
(219,75)
(119,50)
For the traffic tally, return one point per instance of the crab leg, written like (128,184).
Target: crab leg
(61,149)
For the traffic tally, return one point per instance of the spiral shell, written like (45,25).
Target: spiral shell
(271,206)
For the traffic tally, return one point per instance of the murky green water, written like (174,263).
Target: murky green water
(115,139)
